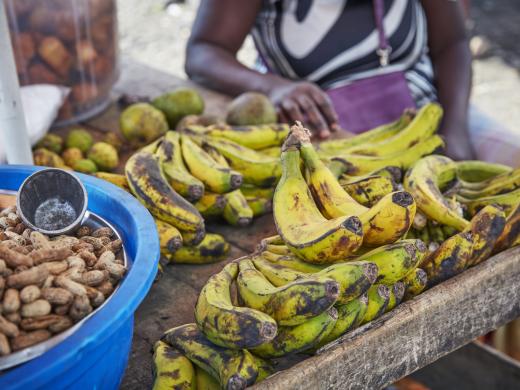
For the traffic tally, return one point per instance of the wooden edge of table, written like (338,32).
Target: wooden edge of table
(416,333)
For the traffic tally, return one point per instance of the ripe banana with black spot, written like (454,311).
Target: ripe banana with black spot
(395,261)
(397,291)
(415,282)
(294,339)
(237,211)
(170,155)
(216,177)
(211,205)
(378,299)
(299,222)
(290,261)
(497,185)
(205,381)
(170,237)
(150,187)
(171,369)
(291,304)
(511,234)
(507,202)
(235,369)
(370,190)
(391,172)
(114,178)
(423,180)
(211,249)
(259,205)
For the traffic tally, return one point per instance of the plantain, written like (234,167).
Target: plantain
(216,177)
(275,240)
(291,261)
(450,259)
(211,205)
(148,184)
(474,171)
(368,137)
(435,232)
(424,181)
(354,278)
(237,211)
(299,222)
(282,250)
(423,126)
(496,185)
(227,325)
(234,369)
(171,369)
(205,381)
(391,172)
(211,249)
(291,304)
(486,227)
(273,151)
(252,191)
(507,202)
(370,190)
(350,316)
(336,167)
(170,155)
(385,222)
(360,165)
(511,234)
(415,283)
(265,368)
(294,339)
(253,137)
(259,205)
(114,178)
(396,295)
(256,168)
(170,237)
(378,299)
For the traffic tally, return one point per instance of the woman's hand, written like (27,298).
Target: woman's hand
(304,102)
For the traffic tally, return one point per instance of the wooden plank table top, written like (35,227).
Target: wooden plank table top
(415,334)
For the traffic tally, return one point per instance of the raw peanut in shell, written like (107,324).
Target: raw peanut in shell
(57,296)
(48,282)
(103,232)
(19,229)
(98,243)
(3,267)
(70,285)
(94,278)
(76,262)
(42,322)
(2,286)
(34,275)
(5,349)
(46,255)
(83,231)
(57,267)
(62,309)
(64,242)
(14,259)
(15,317)
(89,257)
(37,308)
(18,239)
(106,262)
(80,246)
(74,274)
(106,288)
(95,297)
(80,308)
(8,328)
(11,302)
(30,293)
(26,340)
(39,240)
(61,325)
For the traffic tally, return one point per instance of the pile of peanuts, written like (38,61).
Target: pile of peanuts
(48,284)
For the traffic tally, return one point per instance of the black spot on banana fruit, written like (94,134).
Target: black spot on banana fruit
(171,369)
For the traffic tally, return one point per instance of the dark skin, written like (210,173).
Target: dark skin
(222,25)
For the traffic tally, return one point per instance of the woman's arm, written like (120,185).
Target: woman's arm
(218,33)
(451,57)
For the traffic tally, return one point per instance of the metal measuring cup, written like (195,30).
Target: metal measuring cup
(51,183)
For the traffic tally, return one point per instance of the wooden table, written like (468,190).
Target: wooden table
(413,335)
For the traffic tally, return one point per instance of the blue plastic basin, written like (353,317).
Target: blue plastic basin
(95,356)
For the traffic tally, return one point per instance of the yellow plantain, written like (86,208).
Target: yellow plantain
(370,190)
(114,178)
(497,185)
(507,202)
(378,298)
(216,177)
(251,191)
(486,227)
(211,249)
(265,368)
(299,222)
(424,125)
(170,155)
(474,171)
(171,369)
(205,381)
(256,168)
(259,205)
(450,259)
(211,205)
(423,181)
(282,250)
(336,167)
(227,325)
(395,261)
(294,339)
(149,186)
(235,369)
(273,151)
(170,237)
(289,305)
(511,234)
(290,261)
(397,291)
(390,172)
(415,282)
(237,211)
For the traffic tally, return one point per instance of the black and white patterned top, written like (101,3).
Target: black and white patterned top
(323,41)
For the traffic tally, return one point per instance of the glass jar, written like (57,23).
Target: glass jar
(72,43)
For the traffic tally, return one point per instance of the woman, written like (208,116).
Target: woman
(312,46)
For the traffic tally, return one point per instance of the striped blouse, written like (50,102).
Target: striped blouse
(323,41)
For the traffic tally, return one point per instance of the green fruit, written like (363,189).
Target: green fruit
(104,155)
(113,139)
(79,138)
(178,104)
(142,123)
(85,166)
(251,108)
(52,142)
(46,158)
(71,155)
